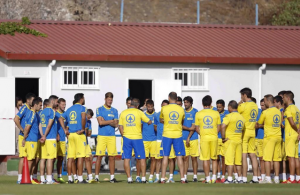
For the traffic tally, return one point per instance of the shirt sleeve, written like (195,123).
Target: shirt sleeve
(226,120)
(144,117)
(121,120)
(194,116)
(219,119)
(116,115)
(241,108)
(262,118)
(30,118)
(288,113)
(52,114)
(22,112)
(161,113)
(90,126)
(197,119)
(155,119)
(83,109)
(64,116)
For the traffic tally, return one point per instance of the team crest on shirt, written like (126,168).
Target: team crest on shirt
(208,120)
(130,118)
(54,145)
(84,143)
(276,120)
(73,115)
(239,126)
(32,145)
(253,115)
(43,119)
(173,116)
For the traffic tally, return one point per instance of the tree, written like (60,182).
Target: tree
(288,14)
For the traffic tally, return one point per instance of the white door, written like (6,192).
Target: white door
(7,113)
(162,88)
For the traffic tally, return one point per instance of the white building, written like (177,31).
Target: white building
(145,60)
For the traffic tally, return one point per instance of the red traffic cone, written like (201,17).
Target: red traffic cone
(25,173)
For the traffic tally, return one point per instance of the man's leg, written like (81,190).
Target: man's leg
(157,168)
(143,168)
(164,167)
(49,169)
(35,168)
(214,168)
(88,166)
(181,167)
(42,169)
(254,165)
(195,167)
(206,168)
(138,168)
(30,166)
(112,164)
(186,166)
(152,167)
(98,166)
(223,168)
(262,168)
(59,166)
(127,167)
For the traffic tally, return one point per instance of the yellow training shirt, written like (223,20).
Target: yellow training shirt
(249,112)
(271,119)
(291,111)
(235,126)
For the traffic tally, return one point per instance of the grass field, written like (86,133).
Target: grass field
(8,186)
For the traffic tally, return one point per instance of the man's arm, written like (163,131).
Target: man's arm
(50,123)
(103,122)
(292,123)
(26,132)
(83,123)
(155,128)
(192,128)
(18,123)
(197,129)
(121,130)
(62,124)
(223,128)
(219,128)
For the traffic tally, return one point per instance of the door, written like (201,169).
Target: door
(141,89)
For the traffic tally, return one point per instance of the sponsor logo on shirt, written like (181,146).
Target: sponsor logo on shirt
(276,120)
(111,115)
(173,117)
(239,126)
(130,118)
(207,120)
(73,116)
(253,115)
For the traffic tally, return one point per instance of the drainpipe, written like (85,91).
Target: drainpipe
(263,67)
(50,77)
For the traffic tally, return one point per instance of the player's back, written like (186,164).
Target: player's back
(73,117)
(208,121)
(235,125)
(46,115)
(148,132)
(249,111)
(291,111)
(272,122)
(172,115)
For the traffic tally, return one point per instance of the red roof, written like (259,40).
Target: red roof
(154,42)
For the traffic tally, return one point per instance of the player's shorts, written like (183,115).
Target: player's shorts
(30,150)
(177,144)
(22,152)
(61,148)
(137,145)
(208,150)
(38,150)
(76,145)
(283,154)
(259,147)
(150,148)
(233,152)
(49,149)
(122,149)
(106,142)
(291,146)
(272,149)
(159,151)
(193,149)
(88,151)
(249,141)
(220,147)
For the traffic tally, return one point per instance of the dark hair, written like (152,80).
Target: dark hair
(109,95)
(179,99)
(135,102)
(189,99)
(46,102)
(78,97)
(61,100)
(246,91)
(150,102)
(18,99)
(53,97)
(36,101)
(222,102)
(290,94)
(128,99)
(281,93)
(165,101)
(253,99)
(29,96)
(278,98)
(233,104)
(173,96)
(90,112)
(206,101)
(262,100)
(269,97)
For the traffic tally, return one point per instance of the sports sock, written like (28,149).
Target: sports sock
(259,177)
(195,176)
(80,178)
(292,177)
(42,178)
(49,178)
(263,176)
(254,178)
(59,176)
(151,177)
(34,176)
(157,176)
(112,177)
(129,179)
(70,178)
(185,177)
(276,178)
(96,176)
(244,179)
(219,175)
(171,176)
(19,177)
(223,176)
(182,179)
(297,177)
(229,178)
(235,175)
(143,178)
(30,177)
(283,176)
(240,179)
(90,176)
(162,179)
(214,177)
(75,176)
(207,178)
(268,178)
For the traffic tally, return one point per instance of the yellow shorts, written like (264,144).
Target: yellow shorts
(88,151)
(220,147)
(30,150)
(283,154)
(22,152)
(150,148)
(272,149)
(233,152)
(208,150)
(38,150)
(193,149)
(106,142)
(61,148)
(159,148)
(49,149)
(249,141)
(76,145)
(291,146)
(259,147)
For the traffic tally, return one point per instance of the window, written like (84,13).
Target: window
(192,79)
(80,77)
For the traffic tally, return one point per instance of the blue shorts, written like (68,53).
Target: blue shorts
(177,144)
(137,145)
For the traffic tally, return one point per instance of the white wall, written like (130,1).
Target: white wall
(3,63)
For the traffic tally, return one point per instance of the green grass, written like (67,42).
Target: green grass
(8,186)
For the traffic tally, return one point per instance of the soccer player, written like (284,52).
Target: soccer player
(48,140)
(270,120)
(179,101)
(190,137)
(223,113)
(249,110)
(291,116)
(232,128)
(149,137)
(259,143)
(278,102)
(208,124)
(130,129)
(172,116)
(31,132)
(88,152)
(61,139)
(107,118)
(75,116)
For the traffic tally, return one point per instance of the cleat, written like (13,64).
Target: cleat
(82,182)
(44,182)
(61,180)
(241,181)
(228,182)
(289,181)
(97,180)
(129,181)
(91,181)
(150,180)
(155,181)
(145,181)
(213,181)
(223,180)
(252,182)
(265,182)
(76,181)
(18,182)
(186,181)
(195,180)
(51,182)
(208,182)
(183,181)
(34,182)
(113,180)
(70,182)
(138,180)
(218,180)
(162,181)
(276,181)
(54,180)
(171,180)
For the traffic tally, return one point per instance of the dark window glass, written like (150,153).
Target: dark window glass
(75,77)
(70,77)
(65,77)
(185,79)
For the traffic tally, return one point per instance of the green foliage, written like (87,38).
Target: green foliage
(12,27)
(288,14)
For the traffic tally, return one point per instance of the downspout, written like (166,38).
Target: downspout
(50,77)
(263,67)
